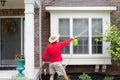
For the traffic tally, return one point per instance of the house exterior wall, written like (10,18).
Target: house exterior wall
(36,38)
(45,24)
(117,12)
(113,69)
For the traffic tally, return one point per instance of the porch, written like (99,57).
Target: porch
(27,7)
(7,74)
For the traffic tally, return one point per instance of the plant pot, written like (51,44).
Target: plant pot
(20,67)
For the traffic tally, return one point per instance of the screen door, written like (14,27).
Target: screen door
(11,39)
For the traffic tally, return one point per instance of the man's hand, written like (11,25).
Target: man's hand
(72,37)
(43,63)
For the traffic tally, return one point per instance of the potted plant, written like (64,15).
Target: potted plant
(20,64)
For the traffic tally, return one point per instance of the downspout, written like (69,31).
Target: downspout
(40,37)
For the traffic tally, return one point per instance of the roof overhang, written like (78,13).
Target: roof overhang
(99,8)
(18,4)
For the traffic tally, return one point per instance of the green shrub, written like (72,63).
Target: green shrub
(84,77)
(61,78)
(112,35)
(108,78)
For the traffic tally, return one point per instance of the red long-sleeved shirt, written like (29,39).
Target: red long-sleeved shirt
(53,50)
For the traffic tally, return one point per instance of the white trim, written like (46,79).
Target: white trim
(29,1)
(87,61)
(29,37)
(82,8)
(22,34)
(97,67)
(71,34)
(86,56)
(97,59)
(90,36)
(40,37)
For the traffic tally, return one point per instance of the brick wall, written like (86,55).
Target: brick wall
(117,12)
(36,38)
(11,12)
(45,24)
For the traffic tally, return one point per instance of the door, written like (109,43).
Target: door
(11,40)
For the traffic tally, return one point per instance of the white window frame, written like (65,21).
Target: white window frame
(84,59)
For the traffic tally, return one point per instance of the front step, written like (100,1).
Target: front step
(8,74)
(7,68)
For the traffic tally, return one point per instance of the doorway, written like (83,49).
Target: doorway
(11,40)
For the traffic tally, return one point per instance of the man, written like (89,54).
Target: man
(53,51)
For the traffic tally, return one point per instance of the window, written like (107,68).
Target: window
(82,25)
(82,29)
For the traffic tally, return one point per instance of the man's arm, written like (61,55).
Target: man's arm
(66,42)
(45,54)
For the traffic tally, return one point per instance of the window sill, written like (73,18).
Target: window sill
(87,60)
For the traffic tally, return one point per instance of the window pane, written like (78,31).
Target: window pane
(96,46)
(64,26)
(96,26)
(65,50)
(80,30)
(82,47)
(80,27)
(64,33)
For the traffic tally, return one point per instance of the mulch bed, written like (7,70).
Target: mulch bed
(74,76)
(94,76)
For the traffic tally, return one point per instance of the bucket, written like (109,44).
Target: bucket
(75,42)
